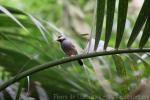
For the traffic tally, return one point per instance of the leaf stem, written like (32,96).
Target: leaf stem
(41,67)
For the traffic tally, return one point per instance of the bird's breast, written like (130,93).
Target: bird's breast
(68,48)
(66,44)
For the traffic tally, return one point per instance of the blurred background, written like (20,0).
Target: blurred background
(34,42)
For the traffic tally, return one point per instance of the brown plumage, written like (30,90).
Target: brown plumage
(68,47)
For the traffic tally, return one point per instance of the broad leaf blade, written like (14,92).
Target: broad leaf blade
(109,20)
(146,33)
(122,14)
(139,22)
(99,21)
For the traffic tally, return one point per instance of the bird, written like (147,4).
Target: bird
(68,47)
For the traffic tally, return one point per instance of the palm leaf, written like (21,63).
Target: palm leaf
(109,20)
(145,11)
(40,27)
(13,10)
(146,33)
(6,21)
(122,14)
(4,10)
(21,85)
(121,71)
(99,21)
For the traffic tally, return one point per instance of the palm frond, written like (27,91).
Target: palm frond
(122,14)
(99,21)
(143,15)
(109,21)
(121,71)
(146,33)
(4,10)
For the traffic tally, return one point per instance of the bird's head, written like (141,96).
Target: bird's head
(61,38)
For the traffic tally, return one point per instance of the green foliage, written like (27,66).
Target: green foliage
(27,41)
(146,33)
(109,21)
(121,22)
(120,66)
(20,87)
(99,20)
(143,15)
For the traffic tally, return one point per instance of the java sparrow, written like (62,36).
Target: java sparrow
(68,47)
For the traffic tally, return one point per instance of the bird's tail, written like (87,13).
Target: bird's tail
(80,62)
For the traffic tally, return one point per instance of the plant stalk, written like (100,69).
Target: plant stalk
(41,67)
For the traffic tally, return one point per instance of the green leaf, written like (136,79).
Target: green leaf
(21,85)
(122,14)
(4,10)
(121,71)
(40,27)
(99,21)
(8,59)
(145,11)
(14,40)
(146,33)
(109,20)
(141,59)
(9,23)
(20,35)
(13,10)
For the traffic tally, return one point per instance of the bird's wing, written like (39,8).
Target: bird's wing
(70,50)
(73,49)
